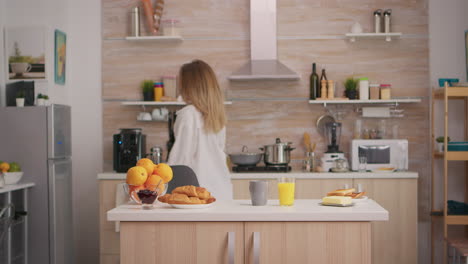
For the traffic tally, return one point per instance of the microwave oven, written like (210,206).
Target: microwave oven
(380,153)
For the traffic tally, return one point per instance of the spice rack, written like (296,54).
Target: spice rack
(395,101)
(170,39)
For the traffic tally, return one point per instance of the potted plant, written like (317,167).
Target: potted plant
(46,100)
(40,100)
(440,143)
(20,99)
(19,64)
(148,90)
(351,88)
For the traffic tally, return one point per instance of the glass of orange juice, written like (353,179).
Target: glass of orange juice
(286,186)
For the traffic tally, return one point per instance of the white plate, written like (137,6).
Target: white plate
(337,205)
(383,171)
(361,199)
(191,206)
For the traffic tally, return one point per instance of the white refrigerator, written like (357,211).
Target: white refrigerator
(39,139)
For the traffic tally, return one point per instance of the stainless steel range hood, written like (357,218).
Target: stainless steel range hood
(264,64)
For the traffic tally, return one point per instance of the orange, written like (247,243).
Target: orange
(165,171)
(136,175)
(4,167)
(153,181)
(147,164)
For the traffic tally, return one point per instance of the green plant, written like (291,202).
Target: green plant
(46,97)
(441,139)
(20,94)
(351,84)
(17,58)
(40,96)
(147,86)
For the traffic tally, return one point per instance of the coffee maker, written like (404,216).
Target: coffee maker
(129,147)
(333,133)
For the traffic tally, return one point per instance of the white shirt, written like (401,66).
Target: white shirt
(201,151)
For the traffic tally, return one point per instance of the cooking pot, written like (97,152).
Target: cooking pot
(245,158)
(277,154)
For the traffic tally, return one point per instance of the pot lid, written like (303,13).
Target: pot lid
(278,142)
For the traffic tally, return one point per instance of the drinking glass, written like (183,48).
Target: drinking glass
(286,186)
(362,164)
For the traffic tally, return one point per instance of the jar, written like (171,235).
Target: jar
(374,91)
(158,91)
(366,134)
(309,162)
(385,91)
(363,89)
(170,86)
(170,27)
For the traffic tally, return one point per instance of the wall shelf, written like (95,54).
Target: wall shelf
(155,103)
(387,36)
(395,101)
(156,38)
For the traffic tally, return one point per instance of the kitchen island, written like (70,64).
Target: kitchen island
(236,232)
(393,241)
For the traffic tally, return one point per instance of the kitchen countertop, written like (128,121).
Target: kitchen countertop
(15,187)
(242,211)
(297,175)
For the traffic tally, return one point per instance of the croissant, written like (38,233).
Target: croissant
(202,193)
(189,190)
(164,198)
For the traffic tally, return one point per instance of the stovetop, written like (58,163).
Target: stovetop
(279,168)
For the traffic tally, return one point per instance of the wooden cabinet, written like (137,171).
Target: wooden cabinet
(182,242)
(395,240)
(307,242)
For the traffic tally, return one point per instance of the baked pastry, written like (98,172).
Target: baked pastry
(189,190)
(356,195)
(341,192)
(203,193)
(188,194)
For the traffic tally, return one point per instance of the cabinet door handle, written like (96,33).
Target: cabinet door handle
(256,247)
(231,247)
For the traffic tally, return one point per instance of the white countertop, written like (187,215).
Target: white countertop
(242,211)
(15,187)
(297,175)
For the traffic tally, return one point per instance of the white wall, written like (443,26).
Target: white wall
(85,99)
(447,24)
(51,15)
(81,21)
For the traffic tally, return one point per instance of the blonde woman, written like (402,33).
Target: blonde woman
(200,132)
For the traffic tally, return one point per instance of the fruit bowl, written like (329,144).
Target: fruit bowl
(146,195)
(12,177)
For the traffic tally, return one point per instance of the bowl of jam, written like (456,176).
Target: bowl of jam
(146,195)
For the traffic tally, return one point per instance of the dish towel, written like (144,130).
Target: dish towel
(120,198)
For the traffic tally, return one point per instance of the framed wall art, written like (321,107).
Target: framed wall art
(25,53)
(60,52)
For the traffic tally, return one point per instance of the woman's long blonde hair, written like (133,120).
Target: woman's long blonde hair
(199,86)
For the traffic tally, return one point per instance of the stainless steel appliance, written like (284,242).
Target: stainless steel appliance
(380,153)
(333,133)
(39,138)
(129,147)
(278,153)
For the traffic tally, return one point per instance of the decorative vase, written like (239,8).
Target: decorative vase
(46,102)
(19,102)
(148,96)
(40,102)
(351,94)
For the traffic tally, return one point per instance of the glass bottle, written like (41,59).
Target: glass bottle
(314,84)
